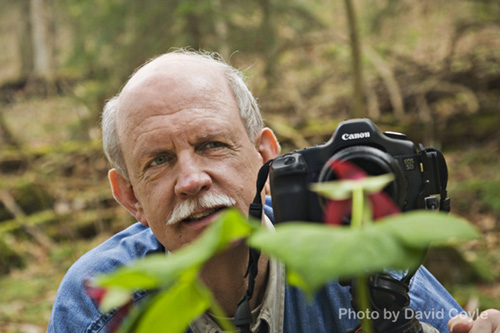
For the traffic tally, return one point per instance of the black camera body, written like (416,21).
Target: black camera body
(420,175)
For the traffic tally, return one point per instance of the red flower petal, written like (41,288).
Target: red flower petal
(338,211)
(119,317)
(95,293)
(347,170)
(382,205)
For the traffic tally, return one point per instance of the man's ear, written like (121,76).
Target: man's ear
(268,147)
(123,192)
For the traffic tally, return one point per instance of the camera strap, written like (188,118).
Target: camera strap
(243,315)
(435,172)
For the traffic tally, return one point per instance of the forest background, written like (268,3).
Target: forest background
(431,69)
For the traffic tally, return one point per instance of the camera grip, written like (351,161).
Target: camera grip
(288,175)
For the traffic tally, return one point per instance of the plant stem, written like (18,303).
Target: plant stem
(357,221)
(357,207)
(364,303)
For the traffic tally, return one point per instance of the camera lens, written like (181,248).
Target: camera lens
(374,162)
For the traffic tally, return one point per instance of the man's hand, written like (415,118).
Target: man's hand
(487,321)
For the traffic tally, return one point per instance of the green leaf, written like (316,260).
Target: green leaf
(132,278)
(342,189)
(295,279)
(422,228)
(142,274)
(114,297)
(160,270)
(186,300)
(173,310)
(316,254)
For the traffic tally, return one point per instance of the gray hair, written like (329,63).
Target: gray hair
(249,110)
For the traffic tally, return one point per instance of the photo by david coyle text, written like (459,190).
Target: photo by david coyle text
(408,313)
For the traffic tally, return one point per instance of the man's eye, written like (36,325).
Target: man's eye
(213,145)
(159,160)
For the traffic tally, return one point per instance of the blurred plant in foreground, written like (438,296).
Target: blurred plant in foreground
(314,254)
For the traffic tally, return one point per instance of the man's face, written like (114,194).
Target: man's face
(182,139)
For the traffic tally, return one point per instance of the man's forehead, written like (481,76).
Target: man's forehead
(174,79)
(169,84)
(174,67)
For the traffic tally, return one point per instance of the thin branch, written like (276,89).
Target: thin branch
(390,82)
(358,102)
(13,207)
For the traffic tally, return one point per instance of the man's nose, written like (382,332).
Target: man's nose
(192,178)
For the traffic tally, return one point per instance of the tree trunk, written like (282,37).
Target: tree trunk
(25,43)
(221,29)
(268,41)
(40,36)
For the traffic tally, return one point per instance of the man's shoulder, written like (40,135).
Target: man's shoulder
(131,243)
(73,309)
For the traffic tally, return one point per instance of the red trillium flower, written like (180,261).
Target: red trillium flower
(97,295)
(338,211)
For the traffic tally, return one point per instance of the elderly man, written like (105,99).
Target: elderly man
(186,140)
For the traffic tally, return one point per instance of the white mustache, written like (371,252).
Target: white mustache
(206,201)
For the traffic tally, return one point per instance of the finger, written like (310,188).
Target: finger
(487,321)
(460,324)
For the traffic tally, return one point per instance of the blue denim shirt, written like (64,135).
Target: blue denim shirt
(330,310)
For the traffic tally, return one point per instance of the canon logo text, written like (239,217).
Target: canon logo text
(354,136)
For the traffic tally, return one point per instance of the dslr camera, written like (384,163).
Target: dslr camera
(420,174)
